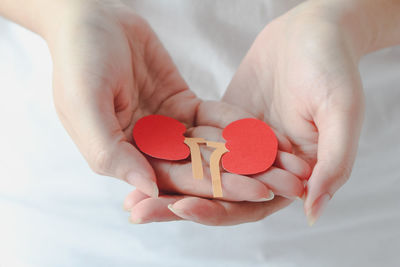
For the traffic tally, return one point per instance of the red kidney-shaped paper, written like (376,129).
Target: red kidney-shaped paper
(161,137)
(252,147)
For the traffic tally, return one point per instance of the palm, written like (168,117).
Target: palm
(131,65)
(154,85)
(115,71)
(175,180)
(307,86)
(295,85)
(128,76)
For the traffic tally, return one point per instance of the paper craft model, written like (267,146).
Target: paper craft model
(251,146)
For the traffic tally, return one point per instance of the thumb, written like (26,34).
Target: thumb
(92,124)
(339,132)
(123,161)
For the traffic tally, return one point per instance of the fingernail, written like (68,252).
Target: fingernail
(127,207)
(135,221)
(302,197)
(317,208)
(180,213)
(176,211)
(128,204)
(270,196)
(171,208)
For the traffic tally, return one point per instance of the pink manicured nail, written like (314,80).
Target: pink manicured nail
(175,211)
(128,205)
(270,196)
(180,213)
(317,208)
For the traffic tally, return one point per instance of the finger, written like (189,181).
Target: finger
(154,210)
(337,147)
(93,126)
(133,198)
(218,213)
(220,114)
(209,133)
(293,164)
(177,178)
(284,160)
(281,182)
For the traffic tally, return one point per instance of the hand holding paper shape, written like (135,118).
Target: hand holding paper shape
(161,137)
(251,146)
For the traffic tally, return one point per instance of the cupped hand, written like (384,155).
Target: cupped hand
(301,76)
(110,70)
(183,197)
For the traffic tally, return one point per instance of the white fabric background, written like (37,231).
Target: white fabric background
(54,212)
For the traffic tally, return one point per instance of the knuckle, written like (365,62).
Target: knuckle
(332,179)
(101,162)
(345,172)
(337,170)
(342,176)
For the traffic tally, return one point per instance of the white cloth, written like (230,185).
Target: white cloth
(55,212)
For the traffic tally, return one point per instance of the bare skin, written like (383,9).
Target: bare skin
(110,70)
(301,76)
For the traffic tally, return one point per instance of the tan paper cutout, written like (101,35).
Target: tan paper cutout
(215,158)
(197,164)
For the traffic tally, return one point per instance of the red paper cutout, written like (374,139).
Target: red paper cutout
(252,147)
(161,137)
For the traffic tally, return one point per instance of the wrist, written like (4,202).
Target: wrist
(60,15)
(38,16)
(367,25)
(47,17)
(71,19)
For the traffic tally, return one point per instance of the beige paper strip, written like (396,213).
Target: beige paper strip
(215,158)
(197,164)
